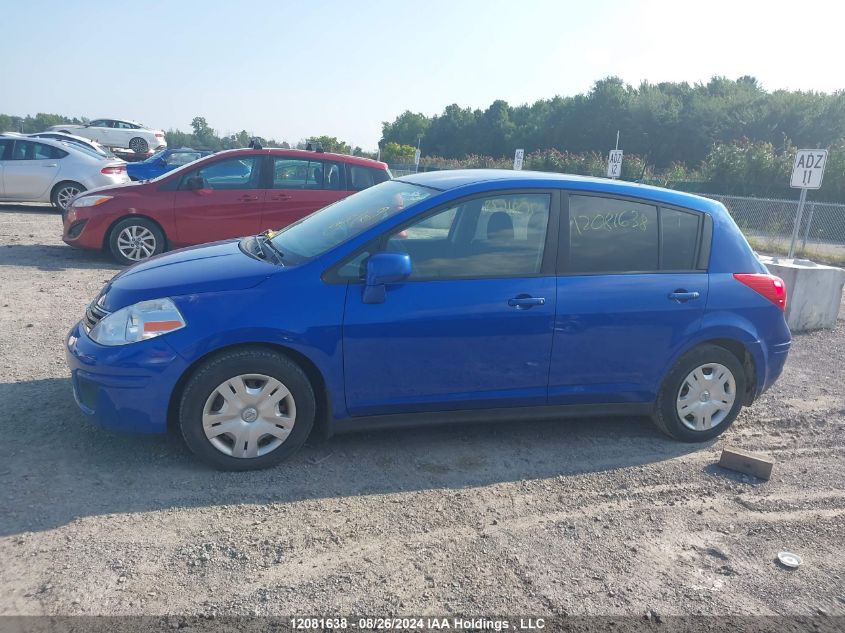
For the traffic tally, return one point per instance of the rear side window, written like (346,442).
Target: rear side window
(296,173)
(610,235)
(363,177)
(679,238)
(29,150)
(48,151)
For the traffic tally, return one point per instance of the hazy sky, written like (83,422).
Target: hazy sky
(290,70)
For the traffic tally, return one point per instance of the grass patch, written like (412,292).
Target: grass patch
(769,247)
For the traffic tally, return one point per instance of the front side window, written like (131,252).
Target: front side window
(497,236)
(321,231)
(610,235)
(97,123)
(229,173)
(6,149)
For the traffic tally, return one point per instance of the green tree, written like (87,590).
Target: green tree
(396,153)
(330,144)
(407,129)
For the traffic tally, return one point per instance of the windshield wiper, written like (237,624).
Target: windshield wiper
(269,242)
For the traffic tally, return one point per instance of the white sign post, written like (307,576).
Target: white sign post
(614,163)
(807,173)
(518,157)
(417,160)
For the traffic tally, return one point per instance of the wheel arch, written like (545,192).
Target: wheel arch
(312,372)
(740,347)
(66,181)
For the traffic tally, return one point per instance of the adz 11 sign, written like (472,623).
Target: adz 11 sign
(614,163)
(808,170)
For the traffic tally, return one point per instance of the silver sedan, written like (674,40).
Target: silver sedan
(47,170)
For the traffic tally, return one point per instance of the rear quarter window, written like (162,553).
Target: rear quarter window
(679,239)
(361,177)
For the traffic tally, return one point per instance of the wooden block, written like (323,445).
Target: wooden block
(745,462)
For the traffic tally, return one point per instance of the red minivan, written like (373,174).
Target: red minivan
(229,194)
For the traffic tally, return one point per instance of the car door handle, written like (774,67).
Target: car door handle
(281,196)
(50,165)
(247,198)
(682,296)
(524,302)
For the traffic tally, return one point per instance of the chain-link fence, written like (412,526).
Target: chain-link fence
(768,225)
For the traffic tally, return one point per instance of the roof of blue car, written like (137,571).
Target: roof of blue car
(453,179)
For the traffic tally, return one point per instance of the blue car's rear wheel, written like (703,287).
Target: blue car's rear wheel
(702,395)
(246,409)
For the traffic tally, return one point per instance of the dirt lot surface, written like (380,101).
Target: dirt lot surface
(578,517)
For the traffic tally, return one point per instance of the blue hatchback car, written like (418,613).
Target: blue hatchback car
(163,162)
(439,297)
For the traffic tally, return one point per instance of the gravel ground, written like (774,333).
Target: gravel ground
(581,517)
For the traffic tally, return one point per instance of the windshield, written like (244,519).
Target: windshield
(156,156)
(323,230)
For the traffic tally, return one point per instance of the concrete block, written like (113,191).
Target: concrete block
(813,292)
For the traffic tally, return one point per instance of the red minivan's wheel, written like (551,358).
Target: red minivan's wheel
(135,239)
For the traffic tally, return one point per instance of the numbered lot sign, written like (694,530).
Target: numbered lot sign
(614,164)
(518,157)
(808,170)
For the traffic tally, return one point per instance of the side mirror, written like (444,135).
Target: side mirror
(195,183)
(385,268)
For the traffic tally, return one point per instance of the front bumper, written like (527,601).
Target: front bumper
(84,230)
(125,388)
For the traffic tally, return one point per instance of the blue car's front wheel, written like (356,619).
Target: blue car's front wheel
(246,409)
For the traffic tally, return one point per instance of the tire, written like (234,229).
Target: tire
(139,145)
(252,372)
(135,239)
(682,391)
(63,193)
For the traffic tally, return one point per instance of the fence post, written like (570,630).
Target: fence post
(807,228)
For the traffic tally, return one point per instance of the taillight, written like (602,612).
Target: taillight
(117,169)
(159,135)
(769,286)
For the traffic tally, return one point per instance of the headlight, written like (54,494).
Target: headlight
(91,201)
(138,322)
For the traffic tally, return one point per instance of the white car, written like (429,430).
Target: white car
(117,133)
(74,140)
(45,170)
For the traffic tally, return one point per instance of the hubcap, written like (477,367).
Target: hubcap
(136,242)
(248,416)
(65,195)
(706,397)
(138,145)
